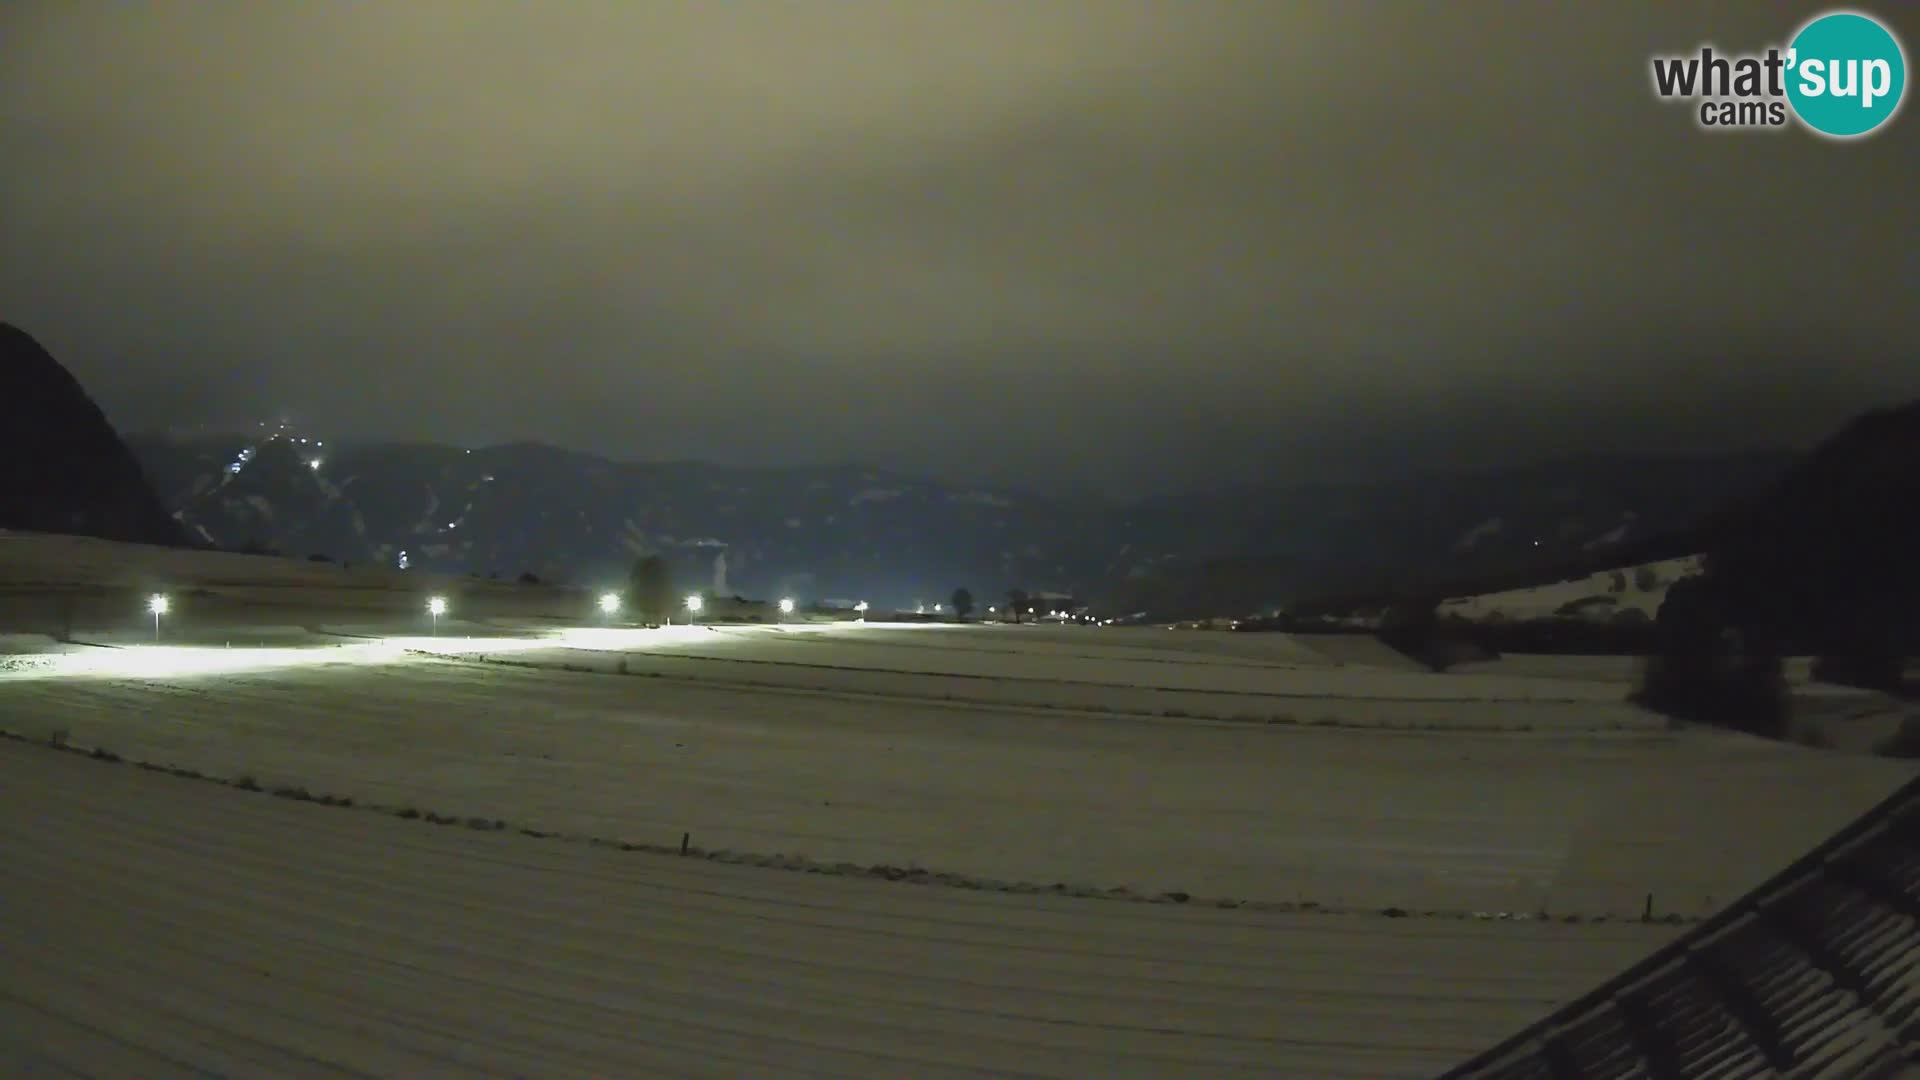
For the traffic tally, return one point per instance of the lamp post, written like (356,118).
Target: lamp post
(157,603)
(436,607)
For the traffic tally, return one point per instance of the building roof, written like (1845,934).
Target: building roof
(1815,973)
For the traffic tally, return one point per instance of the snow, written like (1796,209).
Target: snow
(1472,537)
(1573,822)
(1611,536)
(430,514)
(981,498)
(1544,601)
(1265,771)
(208,943)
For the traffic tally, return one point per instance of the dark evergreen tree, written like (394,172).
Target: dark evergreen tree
(1017,603)
(650,587)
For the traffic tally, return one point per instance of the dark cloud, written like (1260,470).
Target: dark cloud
(1113,243)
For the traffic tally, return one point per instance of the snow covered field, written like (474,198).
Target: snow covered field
(1088,761)
(1279,797)
(162,928)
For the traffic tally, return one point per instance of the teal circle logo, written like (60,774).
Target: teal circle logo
(1846,74)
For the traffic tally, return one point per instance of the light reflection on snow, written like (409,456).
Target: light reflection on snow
(169,661)
(615,639)
(178,661)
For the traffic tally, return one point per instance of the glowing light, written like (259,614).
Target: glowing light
(158,604)
(437,606)
(314,464)
(936,609)
(694,604)
(609,602)
(786,605)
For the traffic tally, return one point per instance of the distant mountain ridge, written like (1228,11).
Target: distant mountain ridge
(816,531)
(63,469)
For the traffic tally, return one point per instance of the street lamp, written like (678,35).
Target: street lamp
(157,603)
(786,605)
(436,607)
(609,603)
(861,609)
(694,604)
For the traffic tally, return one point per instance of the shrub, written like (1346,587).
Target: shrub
(528,577)
(1866,669)
(1904,742)
(1813,736)
(1413,628)
(1706,671)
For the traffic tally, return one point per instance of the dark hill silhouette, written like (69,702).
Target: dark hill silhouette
(1823,562)
(1828,561)
(1834,548)
(63,469)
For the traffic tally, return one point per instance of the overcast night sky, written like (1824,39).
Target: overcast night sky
(1074,245)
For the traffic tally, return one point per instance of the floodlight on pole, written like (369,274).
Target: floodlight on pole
(609,603)
(694,604)
(786,605)
(158,605)
(436,607)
